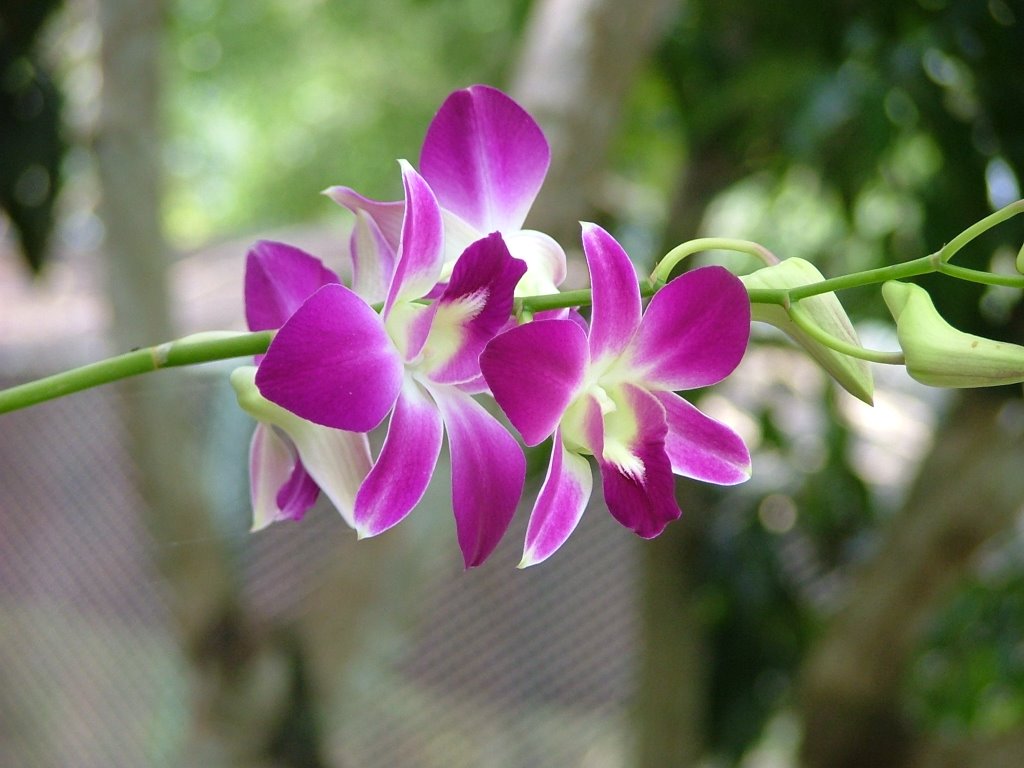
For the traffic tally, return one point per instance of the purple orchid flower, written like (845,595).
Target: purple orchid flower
(290,459)
(338,363)
(485,159)
(610,393)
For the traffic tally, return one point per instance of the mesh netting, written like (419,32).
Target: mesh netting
(448,668)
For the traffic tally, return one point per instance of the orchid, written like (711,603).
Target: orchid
(290,459)
(336,362)
(440,282)
(485,159)
(609,392)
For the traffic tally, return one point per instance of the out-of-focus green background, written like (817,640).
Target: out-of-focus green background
(860,602)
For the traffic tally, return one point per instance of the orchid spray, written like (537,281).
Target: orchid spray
(453,306)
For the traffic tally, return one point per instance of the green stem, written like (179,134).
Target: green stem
(977,276)
(671,259)
(578,298)
(921,266)
(799,316)
(207,347)
(190,350)
(993,219)
(935,262)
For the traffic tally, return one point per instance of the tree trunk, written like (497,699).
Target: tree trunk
(241,681)
(671,699)
(579,60)
(578,63)
(969,490)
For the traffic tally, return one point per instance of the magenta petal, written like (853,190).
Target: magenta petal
(615,293)
(298,493)
(488,471)
(278,278)
(560,504)
(281,488)
(475,306)
(421,250)
(640,494)
(406,463)
(700,447)
(485,157)
(386,215)
(533,371)
(695,330)
(333,363)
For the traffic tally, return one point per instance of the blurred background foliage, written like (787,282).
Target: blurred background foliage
(849,134)
(271,101)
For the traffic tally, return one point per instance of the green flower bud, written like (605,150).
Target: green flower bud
(825,311)
(256,405)
(938,354)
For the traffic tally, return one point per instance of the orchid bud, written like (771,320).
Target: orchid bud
(938,354)
(825,311)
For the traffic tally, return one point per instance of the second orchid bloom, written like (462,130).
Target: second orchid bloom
(609,393)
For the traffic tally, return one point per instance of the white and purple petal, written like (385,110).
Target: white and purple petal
(534,371)
(373,259)
(560,504)
(402,472)
(701,447)
(336,460)
(421,249)
(485,157)
(545,261)
(474,307)
(278,278)
(615,294)
(333,363)
(280,487)
(694,332)
(488,471)
(636,474)
(289,452)
(386,215)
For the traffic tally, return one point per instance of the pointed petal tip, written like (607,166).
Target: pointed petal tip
(530,559)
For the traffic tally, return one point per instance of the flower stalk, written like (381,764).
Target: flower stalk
(191,350)
(451,297)
(224,345)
